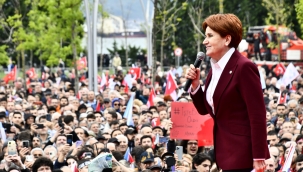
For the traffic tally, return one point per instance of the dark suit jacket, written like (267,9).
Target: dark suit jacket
(240,115)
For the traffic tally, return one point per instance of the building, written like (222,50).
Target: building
(113,31)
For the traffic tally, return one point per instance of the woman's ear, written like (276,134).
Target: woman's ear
(227,40)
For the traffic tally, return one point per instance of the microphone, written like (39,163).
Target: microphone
(200,58)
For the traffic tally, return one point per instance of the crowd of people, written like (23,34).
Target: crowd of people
(55,128)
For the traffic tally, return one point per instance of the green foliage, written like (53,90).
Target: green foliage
(277,11)
(3,55)
(251,13)
(49,28)
(299,9)
(54,22)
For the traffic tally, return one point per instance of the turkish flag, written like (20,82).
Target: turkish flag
(43,77)
(142,79)
(279,69)
(282,98)
(10,76)
(135,71)
(155,122)
(152,95)
(82,78)
(31,73)
(99,79)
(171,87)
(125,86)
(81,63)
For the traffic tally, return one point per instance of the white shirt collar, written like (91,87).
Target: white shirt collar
(224,60)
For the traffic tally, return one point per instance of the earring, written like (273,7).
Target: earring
(226,44)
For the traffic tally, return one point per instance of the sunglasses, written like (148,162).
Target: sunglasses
(117,104)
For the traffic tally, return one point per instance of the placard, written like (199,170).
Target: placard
(188,124)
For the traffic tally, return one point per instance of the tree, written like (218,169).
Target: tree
(58,25)
(167,18)
(277,14)
(195,13)
(13,17)
(299,10)
(21,37)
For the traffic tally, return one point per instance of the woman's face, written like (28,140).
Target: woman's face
(216,46)
(287,152)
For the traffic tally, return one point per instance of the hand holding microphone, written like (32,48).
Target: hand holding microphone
(193,73)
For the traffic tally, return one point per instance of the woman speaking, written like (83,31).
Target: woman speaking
(232,96)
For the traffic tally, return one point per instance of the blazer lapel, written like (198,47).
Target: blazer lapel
(208,79)
(225,78)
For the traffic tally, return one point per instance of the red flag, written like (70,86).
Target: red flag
(280,69)
(152,95)
(81,63)
(171,87)
(74,168)
(43,77)
(8,77)
(82,78)
(282,98)
(136,72)
(98,107)
(155,122)
(31,72)
(103,81)
(78,96)
(28,81)
(99,79)
(128,157)
(11,76)
(142,79)
(126,89)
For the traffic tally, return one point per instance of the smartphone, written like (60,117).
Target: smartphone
(88,155)
(78,143)
(292,119)
(69,138)
(7,127)
(179,152)
(28,158)
(40,126)
(12,149)
(163,139)
(61,124)
(25,143)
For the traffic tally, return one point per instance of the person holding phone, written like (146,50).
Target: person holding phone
(232,96)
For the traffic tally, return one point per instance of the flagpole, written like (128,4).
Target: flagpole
(89,42)
(94,35)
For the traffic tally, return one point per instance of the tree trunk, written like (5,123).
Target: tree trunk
(199,35)
(126,51)
(31,59)
(23,68)
(154,43)
(101,56)
(74,49)
(162,44)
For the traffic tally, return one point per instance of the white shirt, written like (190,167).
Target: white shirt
(217,69)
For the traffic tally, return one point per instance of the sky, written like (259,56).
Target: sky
(132,9)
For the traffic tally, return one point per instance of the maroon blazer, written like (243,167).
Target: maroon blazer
(240,115)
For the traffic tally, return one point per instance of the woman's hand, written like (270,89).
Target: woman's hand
(193,74)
